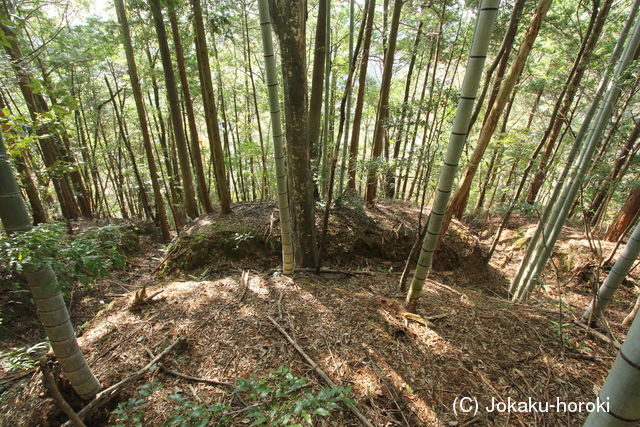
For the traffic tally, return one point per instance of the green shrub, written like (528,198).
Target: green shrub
(75,258)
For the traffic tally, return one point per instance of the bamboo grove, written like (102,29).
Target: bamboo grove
(168,109)
(183,120)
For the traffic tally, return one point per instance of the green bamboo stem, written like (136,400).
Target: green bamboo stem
(620,394)
(43,284)
(457,139)
(614,278)
(276,128)
(552,227)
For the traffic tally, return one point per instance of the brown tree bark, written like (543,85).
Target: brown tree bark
(196,154)
(317,78)
(595,212)
(210,111)
(174,105)
(288,18)
(461,195)
(383,105)
(142,118)
(625,217)
(362,82)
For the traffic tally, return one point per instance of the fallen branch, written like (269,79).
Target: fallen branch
(318,370)
(107,394)
(598,335)
(171,372)
(50,384)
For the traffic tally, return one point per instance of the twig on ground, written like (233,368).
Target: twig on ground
(171,372)
(107,394)
(598,335)
(318,370)
(50,384)
(280,305)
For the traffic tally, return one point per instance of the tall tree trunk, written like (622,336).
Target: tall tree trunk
(276,124)
(174,106)
(288,18)
(144,199)
(555,213)
(383,105)
(559,119)
(142,118)
(210,111)
(461,196)
(264,190)
(594,211)
(196,154)
(404,109)
(349,88)
(362,82)
(317,78)
(628,213)
(501,60)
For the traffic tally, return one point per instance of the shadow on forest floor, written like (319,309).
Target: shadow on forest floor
(403,372)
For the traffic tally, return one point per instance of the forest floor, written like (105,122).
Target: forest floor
(469,342)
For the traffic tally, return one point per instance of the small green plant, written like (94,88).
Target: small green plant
(192,414)
(286,398)
(240,238)
(23,358)
(558,328)
(279,399)
(131,412)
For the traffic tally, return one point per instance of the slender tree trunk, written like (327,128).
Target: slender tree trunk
(461,196)
(196,154)
(144,199)
(575,77)
(594,211)
(210,110)
(174,105)
(471,81)
(288,18)
(362,81)
(264,190)
(317,78)
(276,124)
(501,60)
(142,118)
(383,106)
(391,183)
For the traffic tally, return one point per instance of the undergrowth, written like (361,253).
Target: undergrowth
(82,257)
(279,399)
